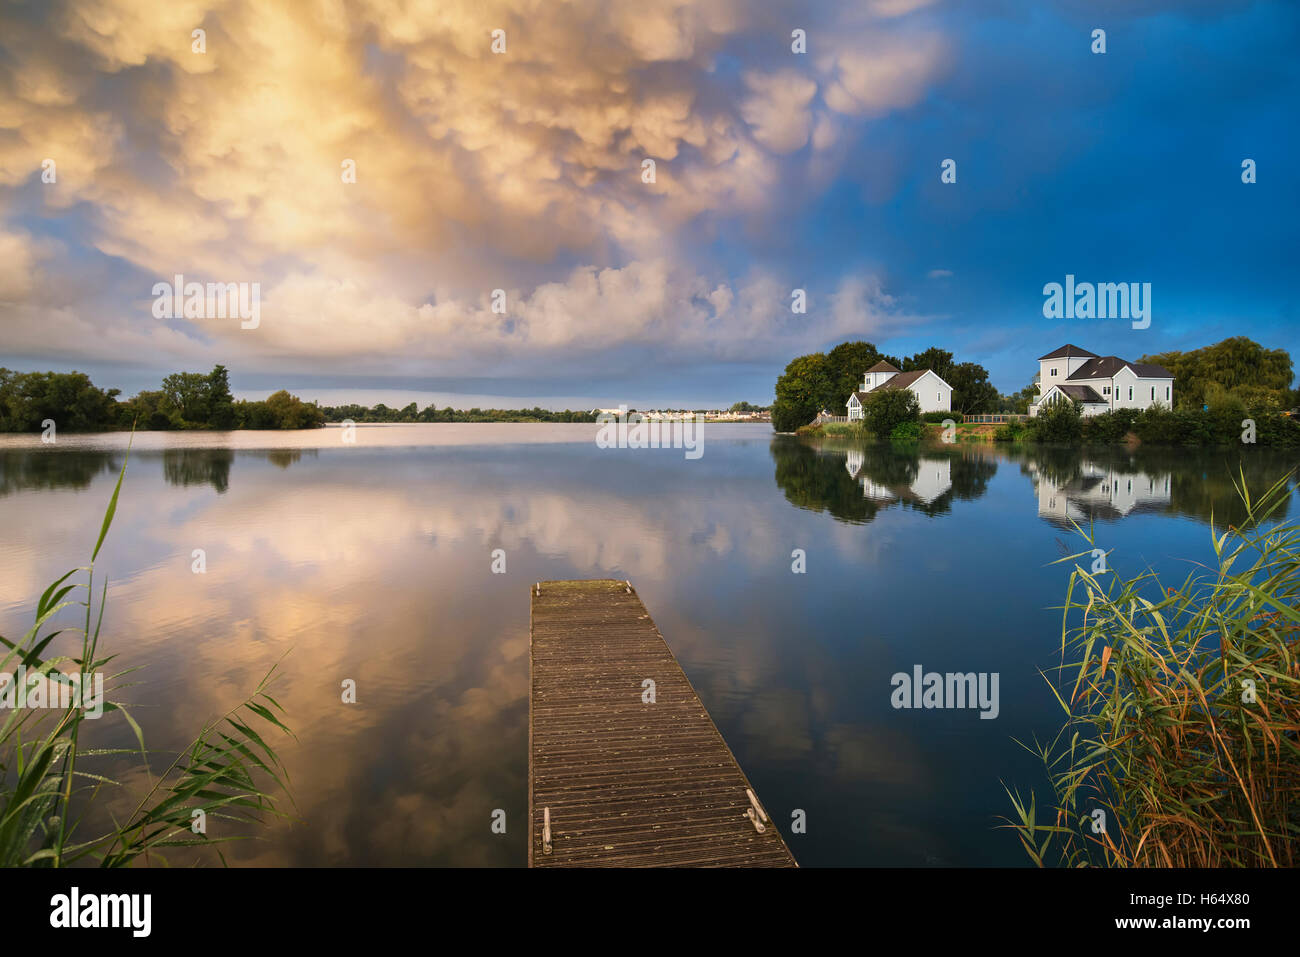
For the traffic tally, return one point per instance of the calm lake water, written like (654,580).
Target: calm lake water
(373,562)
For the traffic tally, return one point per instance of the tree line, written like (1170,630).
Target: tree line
(187,400)
(825,380)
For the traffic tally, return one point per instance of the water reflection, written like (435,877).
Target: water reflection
(1097,491)
(372,562)
(854,483)
(22,469)
(186,467)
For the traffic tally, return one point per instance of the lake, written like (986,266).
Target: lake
(373,562)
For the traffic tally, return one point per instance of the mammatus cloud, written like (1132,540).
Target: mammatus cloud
(475,170)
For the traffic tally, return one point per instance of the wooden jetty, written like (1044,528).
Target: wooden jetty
(613,779)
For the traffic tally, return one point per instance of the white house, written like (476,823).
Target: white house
(932,393)
(1100,383)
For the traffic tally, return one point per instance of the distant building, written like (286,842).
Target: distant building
(932,393)
(1100,383)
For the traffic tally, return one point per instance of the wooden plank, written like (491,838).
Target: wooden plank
(628,783)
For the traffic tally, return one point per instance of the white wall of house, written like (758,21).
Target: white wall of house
(872,379)
(1132,392)
(932,393)
(1055,371)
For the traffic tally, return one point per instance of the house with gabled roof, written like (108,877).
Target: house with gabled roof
(932,393)
(1100,383)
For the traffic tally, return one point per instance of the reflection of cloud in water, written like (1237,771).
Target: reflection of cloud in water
(379,571)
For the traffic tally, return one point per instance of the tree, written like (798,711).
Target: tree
(845,365)
(1234,364)
(1019,402)
(885,410)
(69,398)
(802,391)
(188,392)
(221,404)
(972,393)
(938,361)
(290,412)
(1060,421)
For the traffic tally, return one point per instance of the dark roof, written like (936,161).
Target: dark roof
(862,396)
(901,381)
(882,366)
(1080,393)
(1106,366)
(1148,371)
(1068,350)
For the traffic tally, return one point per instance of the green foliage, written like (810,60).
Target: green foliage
(69,398)
(1160,733)
(906,432)
(845,365)
(1259,377)
(825,381)
(187,392)
(221,403)
(886,410)
(1059,421)
(1109,427)
(1018,402)
(972,393)
(1013,431)
(939,417)
(803,390)
(48,780)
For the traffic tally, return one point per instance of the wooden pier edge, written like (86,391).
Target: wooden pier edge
(629,784)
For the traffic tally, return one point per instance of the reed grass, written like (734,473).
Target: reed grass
(1182,711)
(228,771)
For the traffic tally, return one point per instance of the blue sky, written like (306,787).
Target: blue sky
(520,171)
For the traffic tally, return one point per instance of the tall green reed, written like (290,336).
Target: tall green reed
(1181,740)
(228,772)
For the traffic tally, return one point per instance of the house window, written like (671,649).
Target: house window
(938,397)
(1130,393)
(1105,390)
(1167,388)
(1153,393)
(1052,372)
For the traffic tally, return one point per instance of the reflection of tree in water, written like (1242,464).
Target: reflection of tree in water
(1201,481)
(285,457)
(25,469)
(819,482)
(854,483)
(212,466)
(187,467)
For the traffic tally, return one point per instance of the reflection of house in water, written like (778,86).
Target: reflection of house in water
(1098,492)
(933,478)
